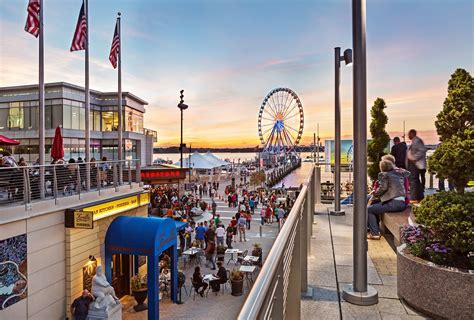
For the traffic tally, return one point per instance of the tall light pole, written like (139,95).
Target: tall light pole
(359,292)
(347,57)
(182,107)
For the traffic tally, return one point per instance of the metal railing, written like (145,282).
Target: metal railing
(276,293)
(23,184)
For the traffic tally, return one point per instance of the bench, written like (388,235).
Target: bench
(394,221)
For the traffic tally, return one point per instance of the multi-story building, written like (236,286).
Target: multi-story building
(65,107)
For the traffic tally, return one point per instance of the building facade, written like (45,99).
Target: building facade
(65,107)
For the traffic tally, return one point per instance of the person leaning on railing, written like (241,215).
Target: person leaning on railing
(391,192)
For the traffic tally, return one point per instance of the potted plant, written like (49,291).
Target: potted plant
(139,292)
(220,253)
(257,252)
(237,282)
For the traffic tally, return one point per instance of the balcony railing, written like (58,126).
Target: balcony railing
(25,184)
(277,290)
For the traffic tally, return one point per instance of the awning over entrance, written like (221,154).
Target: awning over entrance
(180,225)
(146,236)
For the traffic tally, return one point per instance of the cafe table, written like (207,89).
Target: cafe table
(232,252)
(248,271)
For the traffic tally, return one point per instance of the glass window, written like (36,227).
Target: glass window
(109,121)
(75,118)
(67,117)
(48,117)
(57,115)
(97,120)
(3,118)
(15,116)
(82,118)
(34,117)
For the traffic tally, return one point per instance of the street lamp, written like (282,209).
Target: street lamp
(358,292)
(182,107)
(347,57)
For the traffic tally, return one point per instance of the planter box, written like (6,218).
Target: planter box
(437,291)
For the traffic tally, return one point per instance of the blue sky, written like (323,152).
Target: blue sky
(227,55)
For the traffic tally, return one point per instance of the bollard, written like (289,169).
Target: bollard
(260,231)
(431,180)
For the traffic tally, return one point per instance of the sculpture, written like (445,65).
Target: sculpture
(103,292)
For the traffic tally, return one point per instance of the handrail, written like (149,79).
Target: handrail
(273,281)
(23,183)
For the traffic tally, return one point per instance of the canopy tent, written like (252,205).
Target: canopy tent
(198,161)
(212,157)
(145,236)
(4,141)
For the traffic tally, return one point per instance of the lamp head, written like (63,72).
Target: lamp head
(182,106)
(348,56)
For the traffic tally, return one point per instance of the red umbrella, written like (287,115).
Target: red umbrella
(57,151)
(4,141)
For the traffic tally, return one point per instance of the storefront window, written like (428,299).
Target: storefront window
(15,115)
(109,121)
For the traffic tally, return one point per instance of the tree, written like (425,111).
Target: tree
(458,107)
(257,178)
(380,138)
(453,159)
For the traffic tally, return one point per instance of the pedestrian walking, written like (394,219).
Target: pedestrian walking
(211,249)
(229,234)
(242,223)
(220,233)
(416,165)
(214,208)
(248,220)
(263,215)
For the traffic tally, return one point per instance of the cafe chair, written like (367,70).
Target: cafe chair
(240,258)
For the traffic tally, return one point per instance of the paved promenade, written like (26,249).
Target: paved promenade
(330,269)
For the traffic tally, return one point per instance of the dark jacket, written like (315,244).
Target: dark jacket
(222,274)
(399,151)
(391,184)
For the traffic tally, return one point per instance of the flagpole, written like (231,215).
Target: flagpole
(119,97)
(41,128)
(87,100)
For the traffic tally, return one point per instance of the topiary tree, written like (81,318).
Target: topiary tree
(454,157)
(380,138)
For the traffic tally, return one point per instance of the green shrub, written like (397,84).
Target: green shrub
(450,218)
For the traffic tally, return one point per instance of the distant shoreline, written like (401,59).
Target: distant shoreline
(203,150)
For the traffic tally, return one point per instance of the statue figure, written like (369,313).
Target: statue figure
(103,292)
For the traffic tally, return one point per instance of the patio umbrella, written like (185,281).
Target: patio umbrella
(4,141)
(57,151)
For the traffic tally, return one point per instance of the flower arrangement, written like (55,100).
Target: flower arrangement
(422,242)
(137,283)
(236,275)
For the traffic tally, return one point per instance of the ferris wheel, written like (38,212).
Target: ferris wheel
(280,120)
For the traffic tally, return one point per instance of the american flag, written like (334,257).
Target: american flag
(79,39)
(114,50)
(32,20)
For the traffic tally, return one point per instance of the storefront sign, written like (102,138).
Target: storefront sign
(162,174)
(83,218)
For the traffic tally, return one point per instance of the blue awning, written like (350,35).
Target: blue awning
(180,225)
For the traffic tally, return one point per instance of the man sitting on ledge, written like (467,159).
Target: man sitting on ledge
(391,192)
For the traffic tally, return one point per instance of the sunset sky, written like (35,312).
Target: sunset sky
(227,55)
